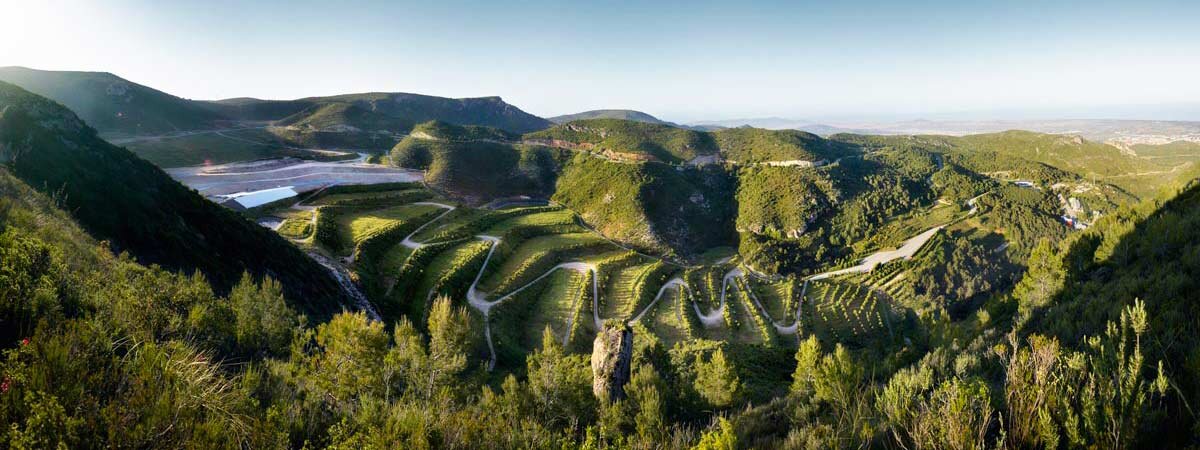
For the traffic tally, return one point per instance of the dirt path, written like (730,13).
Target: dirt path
(867,264)
(408,242)
(669,284)
(479,301)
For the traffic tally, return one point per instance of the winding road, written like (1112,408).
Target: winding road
(715,318)
(479,300)
(867,264)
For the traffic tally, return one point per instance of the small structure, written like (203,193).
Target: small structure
(242,201)
(1024,184)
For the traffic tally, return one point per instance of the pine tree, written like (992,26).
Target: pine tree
(1043,280)
(716,380)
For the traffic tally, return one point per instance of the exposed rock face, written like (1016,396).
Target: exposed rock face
(612,355)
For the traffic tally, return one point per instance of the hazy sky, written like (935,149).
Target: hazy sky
(680,60)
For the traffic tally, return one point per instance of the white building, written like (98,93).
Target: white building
(246,200)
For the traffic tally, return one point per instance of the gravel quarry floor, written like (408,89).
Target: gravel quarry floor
(224,179)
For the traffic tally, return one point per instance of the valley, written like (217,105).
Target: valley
(468,267)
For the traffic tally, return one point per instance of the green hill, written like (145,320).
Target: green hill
(253,109)
(343,117)
(112,104)
(135,206)
(632,140)
(479,171)
(437,129)
(1123,259)
(148,119)
(651,206)
(416,108)
(754,145)
(622,114)
(1070,153)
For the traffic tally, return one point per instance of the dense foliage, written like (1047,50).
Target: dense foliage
(139,209)
(754,145)
(651,205)
(662,142)
(481,170)
(450,132)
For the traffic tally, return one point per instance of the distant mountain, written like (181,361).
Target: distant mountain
(343,117)
(628,139)
(623,114)
(402,111)
(778,123)
(139,209)
(770,123)
(112,104)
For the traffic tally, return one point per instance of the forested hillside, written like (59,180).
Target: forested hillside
(623,114)
(138,209)
(112,104)
(800,201)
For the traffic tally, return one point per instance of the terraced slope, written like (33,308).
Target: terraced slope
(847,312)
(524,269)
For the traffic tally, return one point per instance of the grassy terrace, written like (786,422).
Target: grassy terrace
(779,298)
(846,312)
(619,294)
(556,302)
(446,254)
(534,256)
(358,226)
(296,228)
(671,319)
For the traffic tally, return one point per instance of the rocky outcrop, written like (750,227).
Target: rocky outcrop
(612,355)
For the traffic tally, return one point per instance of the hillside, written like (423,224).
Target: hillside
(176,131)
(479,171)
(746,145)
(416,108)
(112,104)
(624,139)
(1122,259)
(622,114)
(343,117)
(651,206)
(1070,153)
(439,130)
(799,202)
(138,209)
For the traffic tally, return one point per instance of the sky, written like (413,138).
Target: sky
(683,61)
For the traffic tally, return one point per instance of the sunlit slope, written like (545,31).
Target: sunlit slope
(125,200)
